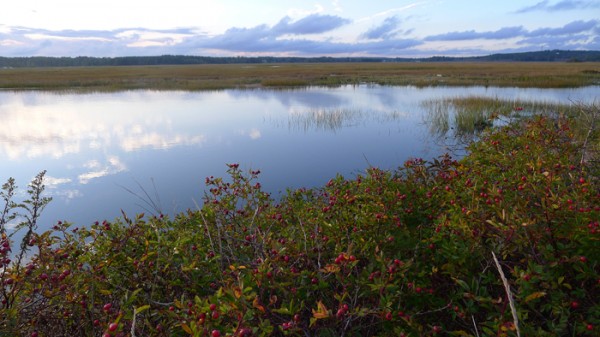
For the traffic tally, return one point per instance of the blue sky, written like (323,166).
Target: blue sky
(335,28)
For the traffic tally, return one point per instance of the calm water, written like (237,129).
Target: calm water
(97,146)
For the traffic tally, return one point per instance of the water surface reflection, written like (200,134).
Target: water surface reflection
(95,146)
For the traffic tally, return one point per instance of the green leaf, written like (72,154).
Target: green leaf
(283,311)
(461,283)
(142,308)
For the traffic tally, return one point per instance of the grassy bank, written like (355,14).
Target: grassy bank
(211,77)
(503,242)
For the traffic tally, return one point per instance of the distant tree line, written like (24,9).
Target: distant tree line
(86,61)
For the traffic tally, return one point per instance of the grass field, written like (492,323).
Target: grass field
(211,77)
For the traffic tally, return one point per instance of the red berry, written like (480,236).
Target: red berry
(590,327)
(107,307)
(215,333)
(574,304)
(213,307)
(215,314)
(113,327)
(437,329)
(34,334)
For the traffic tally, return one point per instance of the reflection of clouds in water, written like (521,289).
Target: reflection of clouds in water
(253,133)
(52,182)
(56,188)
(67,195)
(325,97)
(98,170)
(158,141)
(57,134)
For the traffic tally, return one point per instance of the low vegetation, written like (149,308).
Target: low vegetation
(214,77)
(503,242)
(461,119)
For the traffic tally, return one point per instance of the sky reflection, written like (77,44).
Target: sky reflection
(99,148)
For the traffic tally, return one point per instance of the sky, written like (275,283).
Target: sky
(336,28)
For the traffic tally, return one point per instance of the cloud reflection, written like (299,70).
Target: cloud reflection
(33,130)
(98,170)
(157,141)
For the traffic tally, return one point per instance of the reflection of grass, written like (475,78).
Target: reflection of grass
(211,77)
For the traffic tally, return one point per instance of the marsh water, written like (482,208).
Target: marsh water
(104,152)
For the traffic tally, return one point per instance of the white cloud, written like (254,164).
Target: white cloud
(39,36)
(299,13)
(10,43)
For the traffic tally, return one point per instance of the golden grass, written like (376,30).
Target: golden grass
(210,77)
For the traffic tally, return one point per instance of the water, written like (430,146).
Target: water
(104,152)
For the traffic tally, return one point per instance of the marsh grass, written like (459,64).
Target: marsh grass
(324,119)
(214,77)
(462,119)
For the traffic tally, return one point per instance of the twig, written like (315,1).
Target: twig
(475,325)
(133,323)
(305,238)
(588,135)
(508,294)
(434,310)
(212,245)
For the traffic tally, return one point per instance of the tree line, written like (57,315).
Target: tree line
(86,61)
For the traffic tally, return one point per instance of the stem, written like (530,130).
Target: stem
(511,301)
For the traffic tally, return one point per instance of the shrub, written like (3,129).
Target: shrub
(414,251)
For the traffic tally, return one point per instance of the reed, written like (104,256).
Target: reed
(324,119)
(466,117)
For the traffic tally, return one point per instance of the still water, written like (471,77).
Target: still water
(104,151)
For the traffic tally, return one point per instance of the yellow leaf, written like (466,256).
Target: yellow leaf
(187,329)
(331,268)
(273,300)
(535,295)
(257,305)
(321,311)
(237,292)
(232,267)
